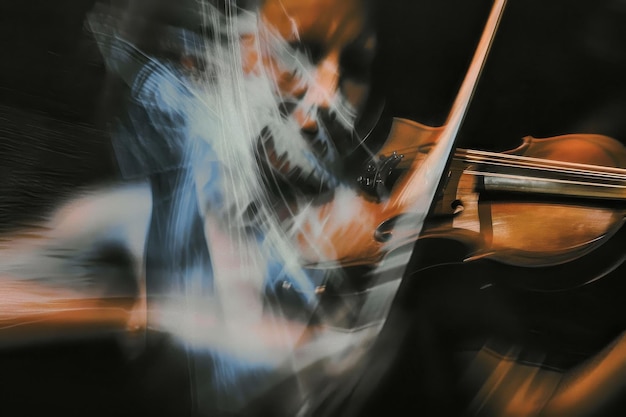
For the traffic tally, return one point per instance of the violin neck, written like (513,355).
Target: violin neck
(505,173)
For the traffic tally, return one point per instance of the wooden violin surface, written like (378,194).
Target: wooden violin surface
(546,202)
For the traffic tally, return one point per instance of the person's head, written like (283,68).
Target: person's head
(319,55)
(338,40)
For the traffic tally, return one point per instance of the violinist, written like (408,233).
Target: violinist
(219,148)
(309,99)
(227,114)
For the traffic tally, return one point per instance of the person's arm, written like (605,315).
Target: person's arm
(80,274)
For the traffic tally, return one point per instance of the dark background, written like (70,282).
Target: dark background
(556,67)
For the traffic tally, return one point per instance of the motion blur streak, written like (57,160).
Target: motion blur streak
(212,116)
(80,273)
(199,130)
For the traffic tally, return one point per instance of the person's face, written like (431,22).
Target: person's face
(333,47)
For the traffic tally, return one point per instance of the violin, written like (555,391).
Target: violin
(548,201)
(544,203)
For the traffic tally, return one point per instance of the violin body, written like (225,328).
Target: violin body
(533,211)
(547,202)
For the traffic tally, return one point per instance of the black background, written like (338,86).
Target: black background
(556,67)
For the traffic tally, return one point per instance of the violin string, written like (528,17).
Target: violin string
(586,188)
(587,174)
(549,163)
(486,158)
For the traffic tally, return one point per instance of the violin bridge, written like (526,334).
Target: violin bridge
(448,202)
